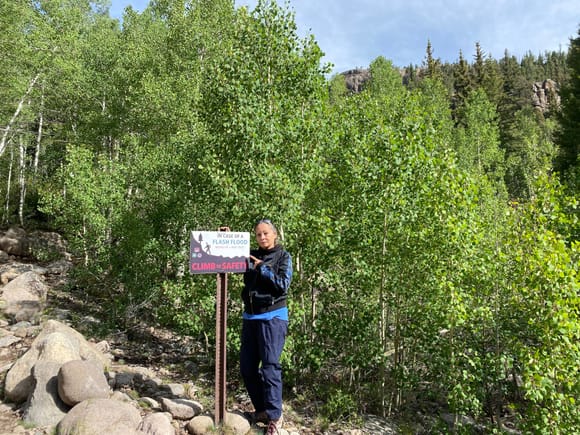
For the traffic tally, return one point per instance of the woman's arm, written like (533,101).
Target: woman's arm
(278,282)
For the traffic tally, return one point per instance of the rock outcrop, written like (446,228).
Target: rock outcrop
(355,79)
(546,95)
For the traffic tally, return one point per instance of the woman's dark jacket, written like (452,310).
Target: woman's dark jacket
(266,286)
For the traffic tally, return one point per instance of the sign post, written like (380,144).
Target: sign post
(220,347)
(219,252)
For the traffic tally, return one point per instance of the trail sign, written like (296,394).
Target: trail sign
(219,252)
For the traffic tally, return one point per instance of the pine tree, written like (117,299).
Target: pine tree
(492,80)
(569,135)
(478,64)
(516,95)
(462,82)
(555,66)
(528,65)
(433,65)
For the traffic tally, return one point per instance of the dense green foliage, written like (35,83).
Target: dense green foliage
(435,252)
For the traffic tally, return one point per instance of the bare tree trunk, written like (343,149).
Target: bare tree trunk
(85,247)
(4,140)
(8,186)
(21,179)
(384,320)
(39,134)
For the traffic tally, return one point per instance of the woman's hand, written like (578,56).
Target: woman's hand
(256,261)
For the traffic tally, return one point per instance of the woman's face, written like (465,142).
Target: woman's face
(265,236)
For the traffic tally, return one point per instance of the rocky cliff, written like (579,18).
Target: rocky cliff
(545,94)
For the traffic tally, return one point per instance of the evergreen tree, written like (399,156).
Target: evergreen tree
(555,67)
(516,95)
(412,78)
(462,82)
(487,75)
(530,154)
(432,65)
(492,81)
(478,65)
(532,68)
(569,135)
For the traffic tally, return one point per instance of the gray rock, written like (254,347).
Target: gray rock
(237,423)
(15,242)
(124,379)
(150,402)
(181,409)
(4,257)
(455,420)
(200,425)
(158,423)
(19,383)
(24,329)
(13,269)
(8,340)
(546,95)
(60,267)
(80,380)
(54,347)
(174,390)
(356,79)
(44,407)
(101,416)
(24,296)
(58,347)
(121,396)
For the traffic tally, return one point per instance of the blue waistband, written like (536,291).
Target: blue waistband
(280,313)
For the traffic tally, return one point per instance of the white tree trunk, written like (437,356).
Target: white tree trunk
(21,179)
(4,140)
(39,133)
(8,186)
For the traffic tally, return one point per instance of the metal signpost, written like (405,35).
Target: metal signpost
(219,252)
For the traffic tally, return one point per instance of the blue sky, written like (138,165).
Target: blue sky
(354,33)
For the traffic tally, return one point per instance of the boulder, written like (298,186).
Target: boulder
(80,380)
(24,297)
(66,345)
(237,423)
(158,423)
(101,416)
(44,407)
(15,242)
(201,425)
(181,409)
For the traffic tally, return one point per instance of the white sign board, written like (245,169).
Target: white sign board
(219,251)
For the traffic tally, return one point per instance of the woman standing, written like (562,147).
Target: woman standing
(265,324)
